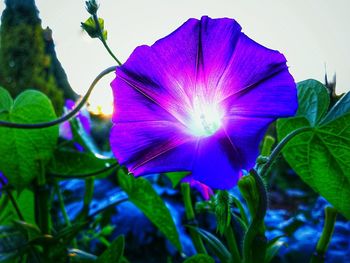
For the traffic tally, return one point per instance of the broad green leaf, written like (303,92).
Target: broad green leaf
(24,151)
(6,100)
(321,156)
(25,201)
(114,253)
(142,194)
(339,109)
(214,244)
(200,258)
(69,162)
(313,100)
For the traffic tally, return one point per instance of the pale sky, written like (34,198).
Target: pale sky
(311,34)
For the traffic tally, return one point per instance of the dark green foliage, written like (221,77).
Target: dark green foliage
(114,253)
(321,155)
(142,194)
(23,62)
(199,258)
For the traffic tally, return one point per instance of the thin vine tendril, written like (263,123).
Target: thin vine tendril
(66,117)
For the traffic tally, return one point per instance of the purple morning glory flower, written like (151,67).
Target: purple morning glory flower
(199,100)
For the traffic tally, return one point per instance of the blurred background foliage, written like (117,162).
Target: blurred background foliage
(27,55)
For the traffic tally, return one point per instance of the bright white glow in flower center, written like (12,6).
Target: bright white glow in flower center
(205,118)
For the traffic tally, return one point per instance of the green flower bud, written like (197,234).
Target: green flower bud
(91,6)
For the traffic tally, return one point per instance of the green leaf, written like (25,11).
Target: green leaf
(25,201)
(114,253)
(142,194)
(23,151)
(242,212)
(341,108)
(176,177)
(90,27)
(6,100)
(69,162)
(313,100)
(200,258)
(273,247)
(321,156)
(214,244)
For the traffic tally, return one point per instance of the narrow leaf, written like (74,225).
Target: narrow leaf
(200,258)
(114,253)
(142,194)
(214,244)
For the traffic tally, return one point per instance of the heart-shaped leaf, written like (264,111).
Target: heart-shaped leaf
(313,100)
(24,151)
(321,156)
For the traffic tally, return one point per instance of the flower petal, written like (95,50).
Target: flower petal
(164,71)
(130,105)
(173,74)
(218,38)
(250,64)
(152,147)
(217,164)
(245,134)
(274,97)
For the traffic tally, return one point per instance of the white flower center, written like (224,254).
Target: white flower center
(205,118)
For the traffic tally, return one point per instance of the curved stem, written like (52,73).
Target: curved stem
(276,151)
(65,117)
(94,16)
(327,232)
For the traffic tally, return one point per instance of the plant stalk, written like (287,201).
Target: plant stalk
(196,239)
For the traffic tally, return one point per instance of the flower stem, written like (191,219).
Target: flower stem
(196,239)
(62,206)
(64,118)
(276,151)
(94,16)
(13,200)
(64,211)
(42,197)
(232,245)
(89,192)
(256,228)
(327,232)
